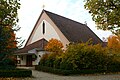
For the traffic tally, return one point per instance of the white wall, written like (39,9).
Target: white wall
(22,62)
(49,32)
(39,55)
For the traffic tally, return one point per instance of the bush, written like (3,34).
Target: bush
(43,59)
(67,72)
(57,62)
(7,67)
(53,70)
(7,61)
(16,73)
(114,67)
(7,64)
(83,56)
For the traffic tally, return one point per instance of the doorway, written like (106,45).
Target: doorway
(29,61)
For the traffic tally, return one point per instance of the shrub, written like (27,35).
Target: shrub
(71,57)
(7,64)
(50,60)
(57,62)
(83,56)
(7,67)
(67,72)
(43,59)
(7,61)
(15,73)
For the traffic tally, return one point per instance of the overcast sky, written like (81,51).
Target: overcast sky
(73,9)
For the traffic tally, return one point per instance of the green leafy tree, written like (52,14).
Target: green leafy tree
(105,13)
(8,23)
(85,56)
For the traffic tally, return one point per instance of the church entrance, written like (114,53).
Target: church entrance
(29,60)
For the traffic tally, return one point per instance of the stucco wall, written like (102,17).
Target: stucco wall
(51,31)
(23,62)
(22,59)
(39,55)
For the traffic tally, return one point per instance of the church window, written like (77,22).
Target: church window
(43,25)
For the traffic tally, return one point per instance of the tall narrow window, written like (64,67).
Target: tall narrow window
(43,27)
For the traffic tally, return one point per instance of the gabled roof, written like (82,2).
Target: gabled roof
(73,31)
(39,45)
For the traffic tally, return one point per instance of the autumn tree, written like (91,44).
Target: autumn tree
(9,39)
(54,45)
(114,42)
(8,25)
(105,13)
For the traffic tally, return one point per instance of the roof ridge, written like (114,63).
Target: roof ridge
(63,17)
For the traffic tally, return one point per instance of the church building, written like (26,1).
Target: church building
(50,25)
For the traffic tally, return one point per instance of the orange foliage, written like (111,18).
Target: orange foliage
(12,42)
(114,42)
(54,45)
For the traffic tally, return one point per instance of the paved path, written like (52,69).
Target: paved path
(38,75)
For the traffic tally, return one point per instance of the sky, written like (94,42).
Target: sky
(73,9)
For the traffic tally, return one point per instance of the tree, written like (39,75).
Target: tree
(8,23)
(54,45)
(12,40)
(105,13)
(114,42)
(9,40)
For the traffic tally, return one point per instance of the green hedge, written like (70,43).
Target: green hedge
(7,67)
(67,72)
(16,73)
(81,58)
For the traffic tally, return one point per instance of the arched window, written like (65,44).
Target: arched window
(43,25)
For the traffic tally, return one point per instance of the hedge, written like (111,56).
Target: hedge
(7,67)
(16,73)
(67,72)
